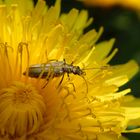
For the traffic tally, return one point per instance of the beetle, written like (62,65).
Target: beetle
(54,69)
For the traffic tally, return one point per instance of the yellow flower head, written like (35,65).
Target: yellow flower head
(86,104)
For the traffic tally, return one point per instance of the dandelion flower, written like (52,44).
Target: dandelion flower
(132,4)
(81,107)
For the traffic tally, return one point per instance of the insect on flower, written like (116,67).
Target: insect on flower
(55,69)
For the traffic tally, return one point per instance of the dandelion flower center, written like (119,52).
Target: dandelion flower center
(22,109)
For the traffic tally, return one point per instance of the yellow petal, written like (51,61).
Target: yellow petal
(129,69)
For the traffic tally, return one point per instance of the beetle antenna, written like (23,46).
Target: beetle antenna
(101,68)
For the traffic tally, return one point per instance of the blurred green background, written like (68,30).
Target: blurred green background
(122,24)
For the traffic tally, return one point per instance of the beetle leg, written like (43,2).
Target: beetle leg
(49,76)
(68,76)
(72,63)
(45,84)
(64,61)
(61,81)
